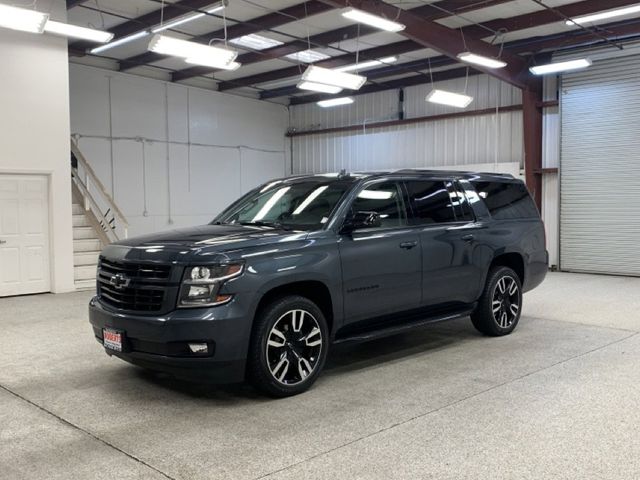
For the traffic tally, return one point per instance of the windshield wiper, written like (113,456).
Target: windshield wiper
(260,223)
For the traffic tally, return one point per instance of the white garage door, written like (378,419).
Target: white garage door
(24,235)
(600,169)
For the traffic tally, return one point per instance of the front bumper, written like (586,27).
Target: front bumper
(159,342)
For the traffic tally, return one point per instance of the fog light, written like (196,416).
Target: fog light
(198,348)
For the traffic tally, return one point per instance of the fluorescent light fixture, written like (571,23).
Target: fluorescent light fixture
(561,66)
(120,41)
(307,201)
(318,87)
(188,18)
(335,102)
(367,64)
(604,15)
(481,60)
(22,19)
(334,78)
(207,62)
(308,56)
(197,52)
(255,42)
(373,20)
(443,97)
(75,31)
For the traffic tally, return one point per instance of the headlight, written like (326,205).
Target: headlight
(201,285)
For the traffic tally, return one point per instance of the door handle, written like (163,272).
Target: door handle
(2,242)
(408,245)
(468,238)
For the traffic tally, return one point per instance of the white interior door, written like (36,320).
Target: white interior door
(24,235)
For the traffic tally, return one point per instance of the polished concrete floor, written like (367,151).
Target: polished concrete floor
(558,399)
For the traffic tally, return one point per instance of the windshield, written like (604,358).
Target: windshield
(304,205)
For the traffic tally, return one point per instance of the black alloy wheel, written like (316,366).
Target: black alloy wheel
(500,306)
(289,345)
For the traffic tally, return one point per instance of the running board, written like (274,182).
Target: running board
(402,327)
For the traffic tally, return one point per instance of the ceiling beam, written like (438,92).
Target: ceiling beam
(445,40)
(432,11)
(577,39)
(543,17)
(519,22)
(258,24)
(75,3)
(171,11)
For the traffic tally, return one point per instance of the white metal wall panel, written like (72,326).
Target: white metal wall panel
(453,142)
(173,155)
(600,168)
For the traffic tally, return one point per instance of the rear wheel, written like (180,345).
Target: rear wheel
(288,347)
(500,305)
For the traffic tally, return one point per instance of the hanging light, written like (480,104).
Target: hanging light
(367,64)
(372,20)
(22,19)
(74,31)
(196,52)
(207,62)
(335,102)
(451,99)
(189,17)
(120,41)
(318,87)
(481,60)
(333,78)
(561,66)
(603,15)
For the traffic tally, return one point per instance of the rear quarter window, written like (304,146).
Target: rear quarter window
(507,200)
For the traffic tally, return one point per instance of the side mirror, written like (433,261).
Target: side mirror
(360,220)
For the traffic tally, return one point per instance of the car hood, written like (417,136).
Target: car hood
(184,244)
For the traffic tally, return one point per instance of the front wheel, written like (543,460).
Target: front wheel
(500,305)
(288,348)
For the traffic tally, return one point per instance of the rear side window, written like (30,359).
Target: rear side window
(430,201)
(507,200)
(464,213)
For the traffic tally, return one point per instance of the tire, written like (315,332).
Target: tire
(500,306)
(289,346)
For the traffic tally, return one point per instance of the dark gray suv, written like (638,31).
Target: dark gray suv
(305,262)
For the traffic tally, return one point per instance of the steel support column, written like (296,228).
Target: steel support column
(532,131)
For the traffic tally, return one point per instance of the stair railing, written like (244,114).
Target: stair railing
(96,199)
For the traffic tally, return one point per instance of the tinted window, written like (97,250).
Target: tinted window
(384,199)
(464,213)
(507,200)
(430,201)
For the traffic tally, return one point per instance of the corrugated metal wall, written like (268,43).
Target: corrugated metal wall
(452,142)
(600,168)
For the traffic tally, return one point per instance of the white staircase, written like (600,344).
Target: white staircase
(86,249)
(97,221)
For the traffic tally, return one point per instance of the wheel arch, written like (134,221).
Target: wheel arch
(513,260)
(315,290)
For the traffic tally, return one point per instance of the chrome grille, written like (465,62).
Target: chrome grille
(142,286)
